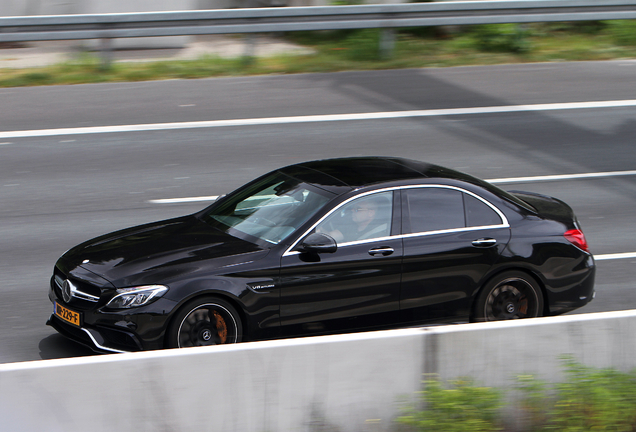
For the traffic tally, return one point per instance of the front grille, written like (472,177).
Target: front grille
(85,295)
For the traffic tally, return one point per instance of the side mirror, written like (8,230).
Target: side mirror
(318,243)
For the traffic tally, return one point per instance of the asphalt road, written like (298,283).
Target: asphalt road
(67,186)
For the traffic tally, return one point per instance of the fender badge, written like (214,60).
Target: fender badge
(261,285)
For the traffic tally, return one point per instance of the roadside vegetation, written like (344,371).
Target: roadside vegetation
(359,50)
(590,399)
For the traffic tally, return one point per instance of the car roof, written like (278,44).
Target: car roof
(362,171)
(356,172)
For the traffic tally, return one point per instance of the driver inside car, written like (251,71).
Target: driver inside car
(364,218)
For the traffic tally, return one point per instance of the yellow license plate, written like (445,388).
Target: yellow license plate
(67,315)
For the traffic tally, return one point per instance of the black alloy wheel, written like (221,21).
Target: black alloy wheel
(510,295)
(205,321)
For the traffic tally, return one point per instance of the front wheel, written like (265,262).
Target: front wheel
(204,321)
(510,295)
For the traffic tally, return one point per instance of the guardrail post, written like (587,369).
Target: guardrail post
(250,48)
(106,52)
(387,43)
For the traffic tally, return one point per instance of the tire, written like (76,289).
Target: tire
(204,321)
(509,295)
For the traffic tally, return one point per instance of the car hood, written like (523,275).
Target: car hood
(159,252)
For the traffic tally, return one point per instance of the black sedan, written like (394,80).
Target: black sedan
(325,247)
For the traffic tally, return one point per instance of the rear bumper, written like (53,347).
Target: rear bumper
(574,291)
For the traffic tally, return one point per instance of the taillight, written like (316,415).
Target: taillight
(577,238)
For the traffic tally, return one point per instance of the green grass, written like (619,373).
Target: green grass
(588,400)
(358,50)
(460,406)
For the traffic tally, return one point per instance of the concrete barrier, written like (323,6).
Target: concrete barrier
(336,383)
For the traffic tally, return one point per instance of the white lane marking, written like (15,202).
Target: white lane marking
(183,200)
(561,177)
(625,255)
(499,181)
(317,118)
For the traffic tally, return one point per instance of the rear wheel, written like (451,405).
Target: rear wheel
(205,321)
(510,295)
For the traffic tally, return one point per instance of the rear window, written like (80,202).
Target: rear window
(434,209)
(438,209)
(478,213)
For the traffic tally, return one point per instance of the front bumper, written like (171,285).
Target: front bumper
(93,339)
(116,331)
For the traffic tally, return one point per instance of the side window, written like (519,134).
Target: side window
(479,214)
(364,218)
(433,209)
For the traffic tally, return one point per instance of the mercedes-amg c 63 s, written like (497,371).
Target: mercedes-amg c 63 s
(325,247)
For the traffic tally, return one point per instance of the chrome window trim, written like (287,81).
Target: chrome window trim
(290,252)
(504,220)
(452,230)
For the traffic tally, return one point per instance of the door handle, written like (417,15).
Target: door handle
(384,251)
(484,242)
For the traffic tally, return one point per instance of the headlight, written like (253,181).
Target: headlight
(136,296)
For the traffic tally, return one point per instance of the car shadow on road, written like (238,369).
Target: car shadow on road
(546,138)
(57,346)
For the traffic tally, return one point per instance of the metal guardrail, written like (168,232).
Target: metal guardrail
(261,20)
(258,20)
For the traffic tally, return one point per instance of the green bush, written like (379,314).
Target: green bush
(363,45)
(588,27)
(594,399)
(588,400)
(623,32)
(576,27)
(423,32)
(463,407)
(500,38)
(30,78)
(426,32)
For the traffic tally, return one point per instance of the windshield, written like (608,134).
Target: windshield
(269,209)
